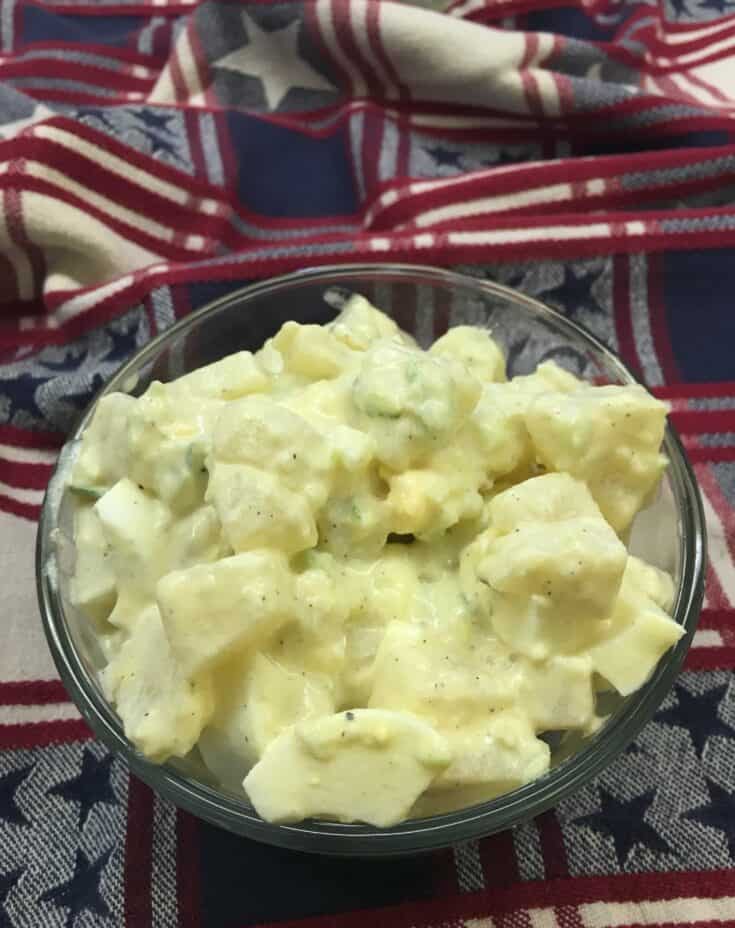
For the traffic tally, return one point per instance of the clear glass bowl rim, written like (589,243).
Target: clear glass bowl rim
(419,834)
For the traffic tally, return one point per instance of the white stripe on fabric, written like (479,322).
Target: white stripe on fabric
(719,554)
(32,715)
(554,194)
(114,210)
(21,494)
(124,168)
(549,233)
(80,304)
(686,911)
(707,638)
(17,455)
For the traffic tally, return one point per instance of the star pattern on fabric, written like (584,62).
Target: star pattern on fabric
(718,6)
(717,814)
(624,822)
(8,882)
(90,786)
(698,715)
(265,50)
(680,8)
(81,892)
(445,157)
(10,783)
(574,292)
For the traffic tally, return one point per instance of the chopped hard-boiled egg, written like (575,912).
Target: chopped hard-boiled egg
(358,578)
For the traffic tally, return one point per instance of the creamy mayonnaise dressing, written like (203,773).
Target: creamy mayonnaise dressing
(353,574)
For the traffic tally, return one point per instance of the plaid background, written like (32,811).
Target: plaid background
(154,156)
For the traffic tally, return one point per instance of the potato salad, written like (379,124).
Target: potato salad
(352,576)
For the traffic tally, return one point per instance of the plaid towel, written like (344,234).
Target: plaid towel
(158,153)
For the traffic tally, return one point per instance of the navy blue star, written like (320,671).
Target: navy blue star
(81,892)
(698,715)
(445,156)
(625,823)
(90,786)
(155,119)
(9,785)
(680,8)
(719,6)
(718,813)
(574,292)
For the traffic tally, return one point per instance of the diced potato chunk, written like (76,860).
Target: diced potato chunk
(365,765)
(104,453)
(549,498)
(440,677)
(162,709)
(359,324)
(558,693)
(257,510)
(233,377)
(474,347)
(640,633)
(311,350)
(610,437)
(93,588)
(410,402)
(500,752)
(210,611)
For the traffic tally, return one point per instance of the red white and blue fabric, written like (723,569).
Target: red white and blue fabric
(158,154)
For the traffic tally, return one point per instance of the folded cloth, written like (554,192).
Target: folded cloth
(157,154)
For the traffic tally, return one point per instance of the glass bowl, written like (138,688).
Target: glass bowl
(423,301)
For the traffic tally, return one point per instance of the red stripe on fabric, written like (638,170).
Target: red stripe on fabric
(711,454)
(552,846)
(191,121)
(311,21)
(372,143)
(201,63)
(699,421)
(138,854)
(498,859)
(158,247)
(124,55)
(627,887)
(713,590)
(181,91)
(716,658)
(687,390)
(722,620)
(30,438)
(32,693)
(659,323)
(40,734)
(152,166)
(29,476)
(341,20)
(91,74)
(16,226)
(709,483)
(375,38)
(188,874)
(621,311)
(29,511)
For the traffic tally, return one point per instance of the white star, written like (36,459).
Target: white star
(273,58)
